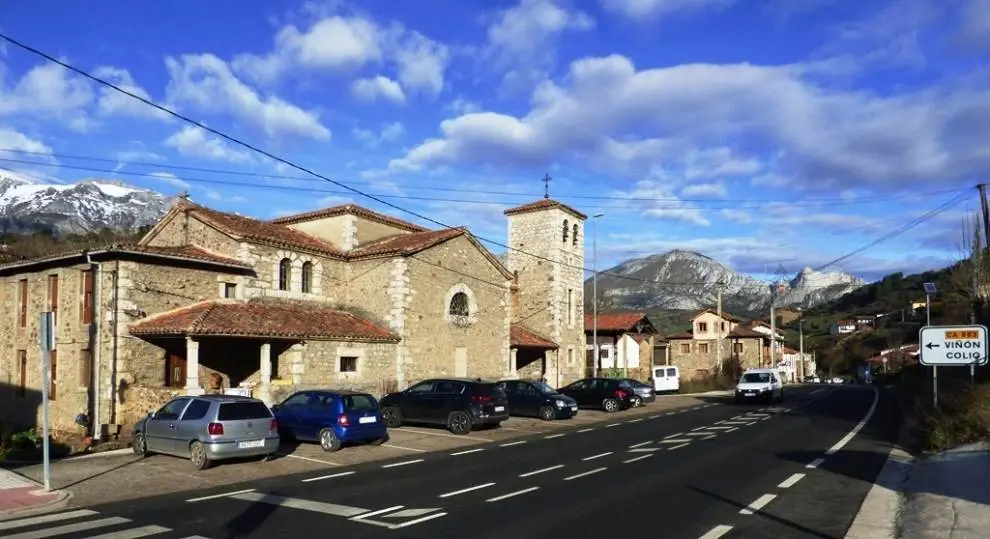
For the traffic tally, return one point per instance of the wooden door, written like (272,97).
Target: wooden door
(175,370)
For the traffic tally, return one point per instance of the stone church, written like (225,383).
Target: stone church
(342,297)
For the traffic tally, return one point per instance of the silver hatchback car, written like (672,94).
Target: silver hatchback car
(208,428)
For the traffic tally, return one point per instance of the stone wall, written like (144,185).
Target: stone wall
(184,229)
(700,362)
(551,283)
(328,277)
(316,364)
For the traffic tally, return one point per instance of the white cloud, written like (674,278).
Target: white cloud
(192,141)
(421,62)
(975,24)
(389,133)
(171,179)
(114,103)
(610,115)
(49,91)
(716,189)
(652,198)
(645,9)
(206,83)
(14,140)
(379,87)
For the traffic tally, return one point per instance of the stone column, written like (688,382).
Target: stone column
(192,367)
(550,368)
(265,374)
(513,352)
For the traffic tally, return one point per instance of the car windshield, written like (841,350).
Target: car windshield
(755,378)
(544,387)
(358,403)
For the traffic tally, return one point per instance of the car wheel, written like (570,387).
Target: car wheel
(380,441)
(548,414)
(140,445)
(610,405)
(392,416)
(329,441)
(636,402)
(459,423)
(198,456)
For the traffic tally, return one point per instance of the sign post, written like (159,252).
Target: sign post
(952,346)
(47,345)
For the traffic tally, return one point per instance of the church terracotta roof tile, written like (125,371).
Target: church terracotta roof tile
(521,337)
(544,204)
(405,244)
(352,209)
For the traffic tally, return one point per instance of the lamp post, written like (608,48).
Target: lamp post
(594,292)
(931,290)
(801,346)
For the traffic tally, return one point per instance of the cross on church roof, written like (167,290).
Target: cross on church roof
(546,185)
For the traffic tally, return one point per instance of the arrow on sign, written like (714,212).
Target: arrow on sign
(932,345)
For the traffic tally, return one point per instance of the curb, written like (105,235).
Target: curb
(60,502)
(83,456)
(880,511)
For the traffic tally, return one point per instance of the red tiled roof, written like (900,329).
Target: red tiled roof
(742,332)
(192,253)
(619,321)
(544,204)
(352,209)
(264,232)
(521,337)
(405,244)
(684,335)
(271,320)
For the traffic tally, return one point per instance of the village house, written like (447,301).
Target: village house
(696,351)
(627,342)
(343,297)
(843,327)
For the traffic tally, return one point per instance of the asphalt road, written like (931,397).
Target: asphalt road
(798,470)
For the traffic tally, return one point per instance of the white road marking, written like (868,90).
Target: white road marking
(512,494)
(513,429)
(417,521)
(613,425)
(417,430)
(69,528)
(363,516)
(732,429)
(45,519)
(679,446)
(404,463)
(301,504)
(465,490)
(586,430)
(468,452)
(598,456)
(717,532)
(510,444)
(645,450)
(712,437)
(814,464)
(859,426)
(322,477)
(791,481)
(552,436)
(412,512)
(641,444)
(133,533)
(641,457)
(696,429)
(760,503)
(307,459)
(722,428)
(414,450)
(676,441)
(654,416)
(635,420)
(215,496)
(541,470)
(697,434)
(670,413)
(678,435)
(585,474)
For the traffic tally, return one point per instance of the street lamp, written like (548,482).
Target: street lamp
(930,290)
(594,291)
(801,345)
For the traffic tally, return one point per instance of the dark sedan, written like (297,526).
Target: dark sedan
(609,394)
(537,399)
(644,392)
(460,404)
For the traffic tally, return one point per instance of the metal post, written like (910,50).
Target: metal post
(594,294)
(928,322)
(47,344)
(801,352)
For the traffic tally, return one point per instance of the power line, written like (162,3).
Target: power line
(310,172)
(756,202)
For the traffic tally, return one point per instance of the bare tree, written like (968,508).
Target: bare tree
(971,276)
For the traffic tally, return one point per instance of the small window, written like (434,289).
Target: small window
(574,235)
(723,326)
(244,410)
(671,372)
(686,348)
(570,306)
(86,296)
(567,228)
(85,368)
(22,286)
(284,274)
(348,363)
(22,361)
(230,290)
(737,347)
(307,277)
(702,327)
(53,294)
(52,374)
(459,305)
(570,357)
(703,348)
(196,410)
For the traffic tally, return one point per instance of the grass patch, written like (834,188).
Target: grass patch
(963,417)
(19,444)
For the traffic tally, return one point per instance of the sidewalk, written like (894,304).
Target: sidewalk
(20,496)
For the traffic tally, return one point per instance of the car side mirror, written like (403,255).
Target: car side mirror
(152,415)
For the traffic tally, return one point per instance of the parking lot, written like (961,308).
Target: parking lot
(97,478)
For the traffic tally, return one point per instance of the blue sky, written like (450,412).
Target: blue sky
(783,132)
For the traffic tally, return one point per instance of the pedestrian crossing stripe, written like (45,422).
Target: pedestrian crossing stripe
(86,520)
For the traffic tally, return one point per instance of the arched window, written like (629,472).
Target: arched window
(307,277)
(284,274)
(574,235)
(459,305)
(567,228)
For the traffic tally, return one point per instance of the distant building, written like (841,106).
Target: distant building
(843,327)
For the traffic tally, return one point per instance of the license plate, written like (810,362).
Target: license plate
(371,419)
(748,393)
(574,408)
(500,408)
(252,443)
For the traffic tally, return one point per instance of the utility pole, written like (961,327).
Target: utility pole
(718,342)
(801,346)
(594,293)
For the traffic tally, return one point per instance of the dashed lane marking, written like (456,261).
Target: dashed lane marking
(598,456)
(635,420)
(634,459)
(586,430)
(641,444)
(541,470)
(405,463)
(216,496)
(413,449)
(757,505)
(791,481)
(331,476)
(677,441)
(467,452)
(815,463)
(717,532)
(512,494)
(585,474)
(552,436)
(679,446)
(510,444)
(613,425)
(466,490)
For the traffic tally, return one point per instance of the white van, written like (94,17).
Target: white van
(667,379)
(759,384)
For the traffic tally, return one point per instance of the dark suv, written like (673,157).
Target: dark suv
(460,404)
(609,394)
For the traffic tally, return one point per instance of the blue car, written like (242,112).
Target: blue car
(331,418)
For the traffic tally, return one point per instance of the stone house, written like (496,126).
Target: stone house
(626,341)
(209,301)
(696,351)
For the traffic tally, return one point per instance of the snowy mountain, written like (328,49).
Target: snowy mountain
(685,280)
(86,206)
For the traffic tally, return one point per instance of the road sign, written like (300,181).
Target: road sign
(953,345)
